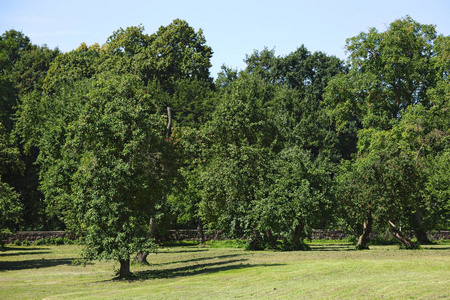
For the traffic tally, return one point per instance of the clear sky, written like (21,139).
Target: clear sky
(232,28)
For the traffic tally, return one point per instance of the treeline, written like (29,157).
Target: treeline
(120,141)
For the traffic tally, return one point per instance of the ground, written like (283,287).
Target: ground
(331,271)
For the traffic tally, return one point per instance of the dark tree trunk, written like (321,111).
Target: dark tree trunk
(141,256)
(272,240)
(297,238)
(255,242)
(152,230)
(124,268)
(201,235)
(401,237)
(419,231)
(364,237)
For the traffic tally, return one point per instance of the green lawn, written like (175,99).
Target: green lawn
(329,271)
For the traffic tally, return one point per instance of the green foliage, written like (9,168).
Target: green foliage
(297,199)
(178,52)
(53,241)
(10,205)
(287,145)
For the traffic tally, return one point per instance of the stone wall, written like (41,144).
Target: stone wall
(192,234)
(35,235)
(318,234)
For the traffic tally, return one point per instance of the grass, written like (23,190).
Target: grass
(190,271)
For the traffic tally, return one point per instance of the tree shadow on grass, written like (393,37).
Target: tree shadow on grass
(197,259)
(7,249)
(25,253)
(33,264)
(332,247)
(196,269)
(186,250)
(435,248)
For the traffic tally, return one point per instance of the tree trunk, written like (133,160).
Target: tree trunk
(297,238)
(255,243)
(272,240)
(124,268)
(201,235)
(364,237)
(420,233)
(141,256)
(152,230)
(169,123)
(401,237)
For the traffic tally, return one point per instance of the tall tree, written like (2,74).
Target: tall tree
(239,141)
(10,205)
(23,68)
(119,152)
(389,73)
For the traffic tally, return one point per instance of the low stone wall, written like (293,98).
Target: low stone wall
(192,234)
(35,235)
(318,234)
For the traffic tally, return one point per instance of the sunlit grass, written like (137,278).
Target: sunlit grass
(329,270)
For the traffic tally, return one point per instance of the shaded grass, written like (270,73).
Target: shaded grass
(333,270)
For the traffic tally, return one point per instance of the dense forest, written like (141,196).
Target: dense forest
(122,141)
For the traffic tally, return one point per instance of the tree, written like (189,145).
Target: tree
(114,157)
(239,142)
(178,52)
(296,199)
(382,100)
(10,204)
(23,67)
(376,187)
(71,67)
(299,107)
(388,72)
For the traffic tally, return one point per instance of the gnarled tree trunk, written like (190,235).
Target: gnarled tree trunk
(420,233)
(141,256)
(364,237)
(401,237)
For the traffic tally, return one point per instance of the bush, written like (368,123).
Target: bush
(58,241)
(40,242)
(26,243)
(17,243)
(68,241)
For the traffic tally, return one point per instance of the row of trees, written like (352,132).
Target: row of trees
(121,141)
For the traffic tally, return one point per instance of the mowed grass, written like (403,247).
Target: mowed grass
(328,271)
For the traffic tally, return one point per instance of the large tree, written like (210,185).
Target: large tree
(118,151)
(240,139)
(390,73)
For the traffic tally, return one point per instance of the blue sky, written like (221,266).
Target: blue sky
(232,28)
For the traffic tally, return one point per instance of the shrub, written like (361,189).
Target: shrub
(58,241)
(68,241)
(40,242)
